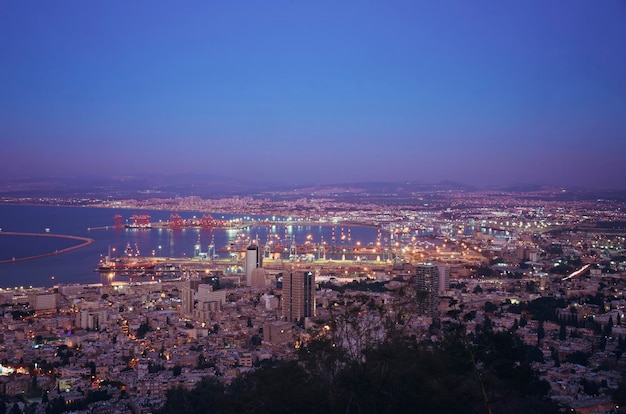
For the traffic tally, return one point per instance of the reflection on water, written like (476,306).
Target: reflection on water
(78,266)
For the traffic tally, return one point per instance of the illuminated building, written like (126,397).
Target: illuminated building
(258,277)
(427,279)
(254,260)
(444,278)
(188,297)
(298,295)
(43,301)
(208,302)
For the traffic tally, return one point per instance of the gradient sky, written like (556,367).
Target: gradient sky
(310,91)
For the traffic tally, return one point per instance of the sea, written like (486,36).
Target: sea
(78,266)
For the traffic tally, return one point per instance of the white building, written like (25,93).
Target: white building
(254,260)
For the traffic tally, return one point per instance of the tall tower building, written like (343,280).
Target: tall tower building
(254,260)
(427,279)
(298,295)
(258,277)
(444,278)
(188,296)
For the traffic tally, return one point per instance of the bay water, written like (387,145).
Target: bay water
(78,265)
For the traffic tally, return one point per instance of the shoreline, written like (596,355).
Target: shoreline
(85,242)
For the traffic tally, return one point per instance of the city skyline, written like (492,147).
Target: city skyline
(300,92)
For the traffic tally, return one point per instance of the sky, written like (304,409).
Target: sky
(318,92)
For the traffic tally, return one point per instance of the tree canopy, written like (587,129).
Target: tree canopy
(482,372)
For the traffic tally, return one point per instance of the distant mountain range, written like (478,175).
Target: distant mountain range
(209,186)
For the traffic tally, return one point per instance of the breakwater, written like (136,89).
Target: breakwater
(84,241)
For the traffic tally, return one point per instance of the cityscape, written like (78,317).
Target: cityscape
(522,269)
(296,206)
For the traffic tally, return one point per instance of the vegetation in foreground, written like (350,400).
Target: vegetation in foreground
(486,372)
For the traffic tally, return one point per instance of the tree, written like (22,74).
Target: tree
(206,397)
(531,287)
(454,314)
(608,328)
(619,394)
(485,271)
(256,340)
(555,356)
(487,324)
(201,360)
(469,316)
(143,329)
(488,371)
(541,333)
(579,358)
(590,387)
(57,405)
(92,366)
(522,321)
(264,390)
(33,384)
(490,307)
(323,358)
(544,308)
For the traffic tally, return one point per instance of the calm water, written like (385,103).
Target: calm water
(77,266)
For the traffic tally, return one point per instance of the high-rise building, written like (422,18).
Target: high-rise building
(427,279)
(258,277)
(209,302)
(444,278)
(298,295)
(207,294)
(254,260)
(188,296)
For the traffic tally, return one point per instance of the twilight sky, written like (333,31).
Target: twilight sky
(310,91)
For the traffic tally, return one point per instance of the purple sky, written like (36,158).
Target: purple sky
(302,91)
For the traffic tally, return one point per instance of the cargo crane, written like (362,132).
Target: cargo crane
(117,220)
(293,249)
(322,250)
(176,221)
(267,249)
(139,221)
(207,221)
(197,248)
(211,250)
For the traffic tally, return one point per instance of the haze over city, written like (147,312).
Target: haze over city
(316,92)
